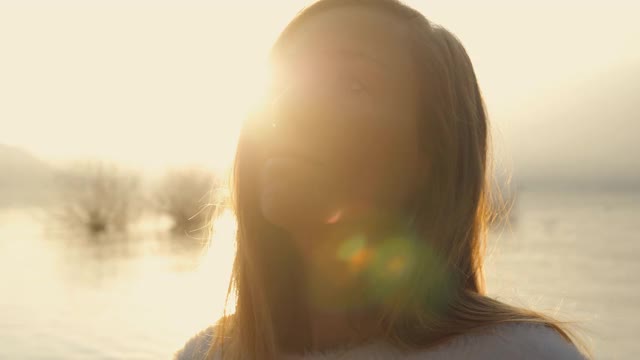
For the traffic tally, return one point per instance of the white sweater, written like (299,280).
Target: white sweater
(508,341)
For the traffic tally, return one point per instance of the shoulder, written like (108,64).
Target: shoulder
(522,341)
(525,341)
(196,348)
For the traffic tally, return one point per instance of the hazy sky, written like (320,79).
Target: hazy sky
(156,83)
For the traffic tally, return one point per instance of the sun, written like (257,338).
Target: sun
(245,93)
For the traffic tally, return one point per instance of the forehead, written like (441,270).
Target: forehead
(351,32)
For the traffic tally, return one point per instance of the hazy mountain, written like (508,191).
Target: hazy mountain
(24,179)
(584,134)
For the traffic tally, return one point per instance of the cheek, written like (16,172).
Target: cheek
(295,193)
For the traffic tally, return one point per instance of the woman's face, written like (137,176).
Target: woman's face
(343,140)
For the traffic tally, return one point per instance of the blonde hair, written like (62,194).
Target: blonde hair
(440,299)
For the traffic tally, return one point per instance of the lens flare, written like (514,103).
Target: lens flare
(351,247)
(396,265)
(394,257)
(359,271)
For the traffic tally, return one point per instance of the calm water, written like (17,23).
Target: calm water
(574,254)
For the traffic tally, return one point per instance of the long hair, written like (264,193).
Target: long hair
(440,298)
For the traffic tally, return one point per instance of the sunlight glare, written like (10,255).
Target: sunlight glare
(217,262)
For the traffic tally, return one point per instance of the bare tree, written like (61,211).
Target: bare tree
(98,197)
(187,196)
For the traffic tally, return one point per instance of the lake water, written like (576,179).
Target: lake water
(575,254)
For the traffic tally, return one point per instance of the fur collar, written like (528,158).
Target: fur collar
(500,342)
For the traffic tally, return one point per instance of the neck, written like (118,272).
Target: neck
(335,257)
(336,330)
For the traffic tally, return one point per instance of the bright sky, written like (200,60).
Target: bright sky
(156,83)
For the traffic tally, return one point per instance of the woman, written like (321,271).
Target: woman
(361,196)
